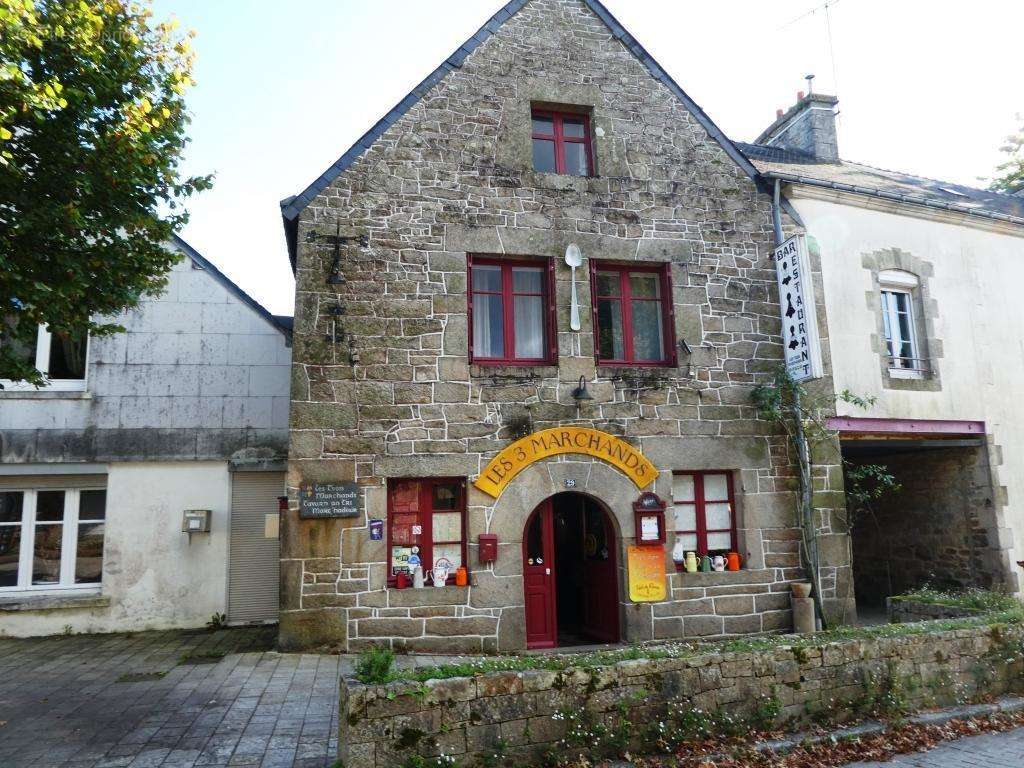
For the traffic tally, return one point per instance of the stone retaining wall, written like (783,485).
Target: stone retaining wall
(463,717)
(907,611)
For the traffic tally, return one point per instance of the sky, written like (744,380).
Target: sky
(929,87)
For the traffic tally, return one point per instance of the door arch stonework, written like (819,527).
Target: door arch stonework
(506,516)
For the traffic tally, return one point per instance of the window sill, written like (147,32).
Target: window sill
(27,601)
(725,578)
(44,394)
(900,373)
(523,371)
(410,597)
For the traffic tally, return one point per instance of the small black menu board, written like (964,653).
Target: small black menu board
(329,500)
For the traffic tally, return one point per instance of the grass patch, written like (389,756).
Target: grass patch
(979,600)
(374,665)
(598,659)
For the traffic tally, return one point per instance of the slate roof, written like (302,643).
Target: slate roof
(797,167)
(292,206)
(282,322)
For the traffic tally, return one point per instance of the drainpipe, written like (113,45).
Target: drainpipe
(810,536)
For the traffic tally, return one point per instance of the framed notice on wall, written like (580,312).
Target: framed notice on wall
(796,303)
(330,500)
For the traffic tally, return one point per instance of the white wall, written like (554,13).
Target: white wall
(153,577)
(195,356)
(978,284)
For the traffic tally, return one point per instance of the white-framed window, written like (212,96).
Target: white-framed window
(63,360)
(52,539)
(902,344)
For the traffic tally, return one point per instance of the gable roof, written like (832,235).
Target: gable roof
(280,322)
(292,206)
(797,167)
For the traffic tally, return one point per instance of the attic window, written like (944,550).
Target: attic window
(561,143)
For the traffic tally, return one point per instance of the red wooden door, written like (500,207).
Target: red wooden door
(539,579)
(601,601)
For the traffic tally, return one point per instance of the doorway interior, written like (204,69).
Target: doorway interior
(570,574)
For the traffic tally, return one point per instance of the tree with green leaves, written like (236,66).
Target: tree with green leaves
(1010,173)
(92,132)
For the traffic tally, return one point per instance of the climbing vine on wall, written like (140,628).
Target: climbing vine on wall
(803,416)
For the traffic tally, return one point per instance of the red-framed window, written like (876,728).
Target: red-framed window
(633,314)
(704,507)
(426,521)
(561,143)
(511,314)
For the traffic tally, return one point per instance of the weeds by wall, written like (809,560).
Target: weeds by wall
(548,716)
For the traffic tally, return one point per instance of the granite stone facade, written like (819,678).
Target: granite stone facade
(383,386)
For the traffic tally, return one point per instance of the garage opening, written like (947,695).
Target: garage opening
(938,530)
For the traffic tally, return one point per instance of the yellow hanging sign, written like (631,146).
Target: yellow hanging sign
(646,569)
(551,442)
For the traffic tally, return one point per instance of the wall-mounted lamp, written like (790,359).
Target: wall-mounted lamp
(685,347)
(580,394)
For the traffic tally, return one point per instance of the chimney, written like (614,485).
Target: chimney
(809,127)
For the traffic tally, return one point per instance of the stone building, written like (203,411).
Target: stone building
(185,410)
(921,296)
(435,327)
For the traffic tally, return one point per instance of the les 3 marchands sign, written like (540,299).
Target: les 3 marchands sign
(557,440)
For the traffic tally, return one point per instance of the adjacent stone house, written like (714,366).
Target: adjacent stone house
(185,410)
(438,321)
(921,295)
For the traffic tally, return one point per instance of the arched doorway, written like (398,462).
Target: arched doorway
(570,573)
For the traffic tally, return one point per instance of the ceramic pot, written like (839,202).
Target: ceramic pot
(732,561)
(691,562)
(718,563)
(678,553)
(801,589)
(461,576)
(417,577)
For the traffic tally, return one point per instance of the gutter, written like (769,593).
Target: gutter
(894,196)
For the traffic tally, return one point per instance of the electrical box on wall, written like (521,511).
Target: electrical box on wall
(488,544)
(195,521)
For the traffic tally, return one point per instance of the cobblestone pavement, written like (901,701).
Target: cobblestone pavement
(193,698)
(989,750)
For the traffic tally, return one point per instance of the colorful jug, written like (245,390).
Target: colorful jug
(705,564)
(461,576)
(691,562)
(732,561)
(718,563)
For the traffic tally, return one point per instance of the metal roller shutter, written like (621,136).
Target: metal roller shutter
(253,565)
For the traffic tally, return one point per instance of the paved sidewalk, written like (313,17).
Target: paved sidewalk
(166,699)
(989,750)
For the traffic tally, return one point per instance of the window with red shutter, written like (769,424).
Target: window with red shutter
(426,522)
(511,312)
(561,143)
(632,306)
(705,511)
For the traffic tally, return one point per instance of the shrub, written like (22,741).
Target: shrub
(374,665)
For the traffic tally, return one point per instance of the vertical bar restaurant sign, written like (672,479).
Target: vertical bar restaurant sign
(646,566)
(796,303)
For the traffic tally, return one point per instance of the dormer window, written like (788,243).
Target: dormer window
(561,143)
